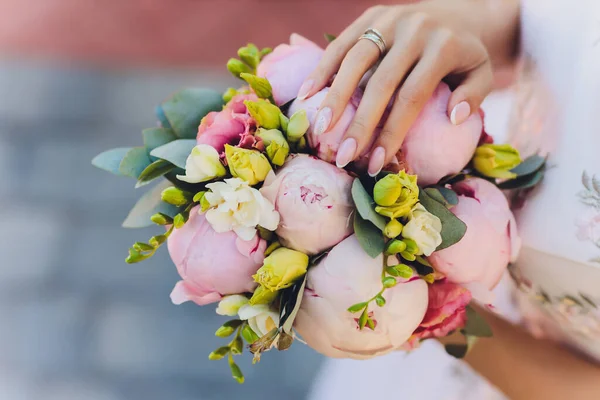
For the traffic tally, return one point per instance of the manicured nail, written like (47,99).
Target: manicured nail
(460,113)
(323,120)
(345,153)
(376,161)
(305,89)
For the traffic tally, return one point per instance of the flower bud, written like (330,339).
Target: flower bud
(230,305)
(219,353)
(262,295)
(249,55)
(281,269)
(236,67)
(161,219)
(297,126)
(496,160)
(396,194)
(277,147)
(395,247)
(411,250)
(249,335)
(250,165)
(264,113)
(392,229)
(229,94)
(228,328)
(389,282)
(424,228)
(203,164)
(283,121)
(237,346)
(175,196)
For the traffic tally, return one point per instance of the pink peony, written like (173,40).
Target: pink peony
(212,264)
(314,201)
(490,242)
(228,126)
(434,147)
(446,311)
(346,276)
(287,67)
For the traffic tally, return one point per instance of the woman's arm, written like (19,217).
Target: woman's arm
(525,368)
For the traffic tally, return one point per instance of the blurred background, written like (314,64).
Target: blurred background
(78,77)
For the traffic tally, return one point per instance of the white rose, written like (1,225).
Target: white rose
(235,206)
(230,305)
(424,228)
(202,164)
(260,318)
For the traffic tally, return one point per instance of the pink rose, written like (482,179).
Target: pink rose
(228,126)
(346,276)
(314,201)
(212,264)
(446,310)
(287,67)
(490,242)
(434,147)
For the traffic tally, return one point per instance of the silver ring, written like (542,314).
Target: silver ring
(376,37)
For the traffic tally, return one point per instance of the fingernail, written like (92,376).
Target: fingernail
(305,89)
(345,153)
(460,113)
(376,161)
(323,120)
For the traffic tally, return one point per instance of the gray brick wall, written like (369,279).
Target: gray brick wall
(76,322)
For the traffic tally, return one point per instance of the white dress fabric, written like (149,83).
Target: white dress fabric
(556,112)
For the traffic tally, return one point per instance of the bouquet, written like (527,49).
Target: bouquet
(258,219)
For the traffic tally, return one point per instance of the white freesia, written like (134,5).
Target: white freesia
(260,318)
(202,164)
(230,305)
(424,228)
(235,206)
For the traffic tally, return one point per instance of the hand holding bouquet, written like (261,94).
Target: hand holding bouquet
(257,218)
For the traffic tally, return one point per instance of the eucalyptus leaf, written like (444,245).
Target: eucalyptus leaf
(524,182)
(449,194)
(176,152)
(149,204)
(529,165)
(369,236)
(365,205)
(291,298)
(110,160)
(162,118)
(156,137)
(476,325)
(186,108)
(435,194)
(453,229)
(155,170)
(134,162)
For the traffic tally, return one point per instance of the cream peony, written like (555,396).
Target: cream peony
(235,206)
(424,228)
(202,164)
(261,318)
(230,305)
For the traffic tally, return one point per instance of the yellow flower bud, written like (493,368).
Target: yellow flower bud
(236,67)
(229,94)
(393,229)
(276,146)
(250,55)
(262,295)
(264,113)
(396,194)
(249,165)
(496,160)
(395,247)
(281,269)
(297,126)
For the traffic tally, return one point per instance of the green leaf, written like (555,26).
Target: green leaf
(155,170)
(358,307)
(186,108)
(453,229)
(369,236)
(449,194)
(329,37)
(366,205)
(476,325)
(529,165)
(524,182)
(176,152)
(156,137)
(162,118)
(291,298)
(457,350)
(134,162)
(110,160)
(148,205)
(259,85)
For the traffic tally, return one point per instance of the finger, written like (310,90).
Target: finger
(380,89)
(468,96)
(359,59)
(335,53)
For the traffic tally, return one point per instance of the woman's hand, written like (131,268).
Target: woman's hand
(426,43)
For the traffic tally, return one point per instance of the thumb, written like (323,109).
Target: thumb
(468,96)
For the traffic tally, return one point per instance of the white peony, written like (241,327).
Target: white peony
(424,228)
(235,206)
(260,318)
(230,305)
(202,164)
